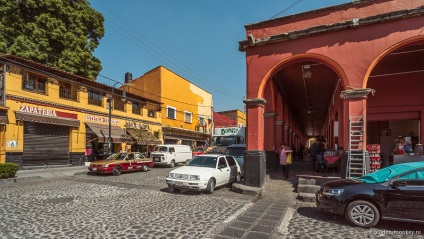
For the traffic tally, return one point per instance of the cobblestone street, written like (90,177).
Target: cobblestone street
(140,205)
(132,205)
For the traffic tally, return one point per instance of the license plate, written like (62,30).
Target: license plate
(179,183)
(94,169)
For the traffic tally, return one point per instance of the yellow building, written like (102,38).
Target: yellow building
(236,115)
(186,108)
(50,117)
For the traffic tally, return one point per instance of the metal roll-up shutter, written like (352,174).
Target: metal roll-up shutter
(171,141)
(45,144)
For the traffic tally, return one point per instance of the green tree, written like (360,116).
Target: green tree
(59,33)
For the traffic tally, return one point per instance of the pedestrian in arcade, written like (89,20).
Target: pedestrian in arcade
(283,154)
(313,152)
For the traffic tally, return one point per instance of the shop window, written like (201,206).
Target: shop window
(136,108)
(188,117)
(171,112)
(95,98)
(151,113)
(33,83)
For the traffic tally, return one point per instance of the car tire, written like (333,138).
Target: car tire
(362,213)
(211,186)
(117,171)
(172,164)
(144,168)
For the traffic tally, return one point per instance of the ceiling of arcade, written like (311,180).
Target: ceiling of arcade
(308,89)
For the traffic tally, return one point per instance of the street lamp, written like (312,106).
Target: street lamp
(123,98)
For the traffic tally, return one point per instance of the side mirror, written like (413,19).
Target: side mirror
(398,183)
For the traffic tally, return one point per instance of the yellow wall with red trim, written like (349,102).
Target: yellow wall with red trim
(77,140)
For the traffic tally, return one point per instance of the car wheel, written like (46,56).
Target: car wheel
(172,164)
(144,168)
(117,170)
(211,186)
(362,214)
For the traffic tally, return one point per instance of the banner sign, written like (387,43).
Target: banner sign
(100,119)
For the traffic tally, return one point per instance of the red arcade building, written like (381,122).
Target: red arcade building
(319,73)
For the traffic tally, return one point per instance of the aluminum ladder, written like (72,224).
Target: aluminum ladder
(356,165)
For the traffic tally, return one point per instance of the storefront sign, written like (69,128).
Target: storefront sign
(129,124)
(46,112)
(37,111)
(100,119)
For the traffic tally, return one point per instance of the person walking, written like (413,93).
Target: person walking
(320,156)
(282,152)
(301,151)
(313,152)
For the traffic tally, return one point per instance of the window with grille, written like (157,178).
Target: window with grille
(188,117)
(33,83)
(136,108)
(151,113)
(65,91)
(171,112)
(95,98)
(118,104)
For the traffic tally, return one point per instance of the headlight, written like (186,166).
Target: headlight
(105,166)
(332,192)
(171,175)
(194,177)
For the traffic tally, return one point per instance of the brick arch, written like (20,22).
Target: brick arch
(308,57)
(389,50)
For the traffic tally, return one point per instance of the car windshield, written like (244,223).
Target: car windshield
(200,161)
(224,140)
(235,151)
(161,149)
(117,156)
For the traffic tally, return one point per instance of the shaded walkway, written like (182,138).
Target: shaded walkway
(269,217)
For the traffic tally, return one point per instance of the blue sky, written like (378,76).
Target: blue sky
(196,39)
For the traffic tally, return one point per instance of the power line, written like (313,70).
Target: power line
(287,8)
(81,84)
(189,72)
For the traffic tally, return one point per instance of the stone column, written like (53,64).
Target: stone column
(254,157)
(279,128)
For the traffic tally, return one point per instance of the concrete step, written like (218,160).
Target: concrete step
(307,188)
(306,197)
(304,181)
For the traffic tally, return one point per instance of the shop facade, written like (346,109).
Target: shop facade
(50,117)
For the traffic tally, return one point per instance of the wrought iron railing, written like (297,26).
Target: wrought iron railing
(34,84)
(95,102)
(66,93)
